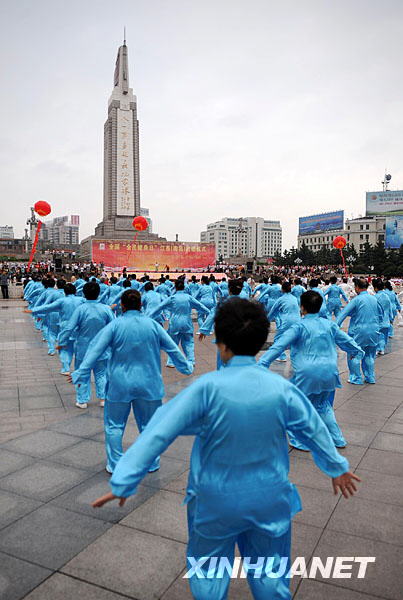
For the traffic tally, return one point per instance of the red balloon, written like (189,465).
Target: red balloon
(339,242)
(140,223)
(42,208)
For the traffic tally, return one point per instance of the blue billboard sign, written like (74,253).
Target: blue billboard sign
(394,232)
(325,222)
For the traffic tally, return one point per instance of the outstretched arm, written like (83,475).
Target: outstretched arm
(278,347)
(345,312)
(181,415)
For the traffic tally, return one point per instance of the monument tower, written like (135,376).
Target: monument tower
(121,157)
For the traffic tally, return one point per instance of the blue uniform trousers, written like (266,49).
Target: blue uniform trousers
(66,356)
(334,308)
(253,545)
(115,419)
(83,390)
(383,339)
(324,406)
(367,364)
(188,346)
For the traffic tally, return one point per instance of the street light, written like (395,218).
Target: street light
(298,261)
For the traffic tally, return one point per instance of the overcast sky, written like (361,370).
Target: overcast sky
(277,109)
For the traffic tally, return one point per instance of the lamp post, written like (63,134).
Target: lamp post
(240,230)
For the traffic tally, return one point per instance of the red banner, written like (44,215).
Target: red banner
(145,256)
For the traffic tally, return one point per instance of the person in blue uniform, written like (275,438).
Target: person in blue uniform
(180,306)
(285,312)
(84,324)
(314,286)
(387,314)
(193,286)
(271,294)
(205,295)
(365,324)
(313,342)
(223,292)
(396,306)
(333,295)
(50,322)
(298,289)
(64,306)
(134,342)
(238,490)
(151,300)
(261,287)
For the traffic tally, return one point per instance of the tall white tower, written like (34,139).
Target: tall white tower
(121,156)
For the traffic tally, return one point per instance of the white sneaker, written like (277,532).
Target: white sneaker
(102,403)
(65,373)
(81,405)
(170,366)
(108,470)
(281,359)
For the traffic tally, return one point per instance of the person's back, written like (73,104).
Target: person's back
(238,490)
(365,319)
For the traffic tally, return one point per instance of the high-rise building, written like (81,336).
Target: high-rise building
(253,237)
(121,156)
(61,231)
(6,232)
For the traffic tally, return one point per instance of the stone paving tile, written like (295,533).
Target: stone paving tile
(388,441)
(163,514)
(388,463)
(87,454)
(42,443)
(380,487)
(131,562)
(43,480)
(80,425)
(317,506)
(79,499)
(50,536)
(63,587)
(18,577)
(12,507)
(372,520)
(40,402)
(358,435)
(384,578)
(11,461)
(315,590)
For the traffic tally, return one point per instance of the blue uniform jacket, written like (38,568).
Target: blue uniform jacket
(366,318)
(239,463)
(180,306)
(84,324)
(313,353)
(134,342)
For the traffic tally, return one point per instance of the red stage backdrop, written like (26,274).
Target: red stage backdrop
(142,256)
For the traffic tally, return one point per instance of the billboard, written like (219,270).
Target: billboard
(384,203)
(324,222)
(146,255)
(394,231)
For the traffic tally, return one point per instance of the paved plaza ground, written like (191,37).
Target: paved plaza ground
(54,546)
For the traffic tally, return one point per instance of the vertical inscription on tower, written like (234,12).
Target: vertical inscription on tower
(124,163)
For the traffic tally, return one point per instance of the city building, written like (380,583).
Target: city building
(6,232)
(356,231)
(144,212)
(252,237)
(60,232)
(369,229)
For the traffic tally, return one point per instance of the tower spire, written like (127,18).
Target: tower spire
(124,35)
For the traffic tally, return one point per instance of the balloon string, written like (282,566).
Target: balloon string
(31,256)
(344,262)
